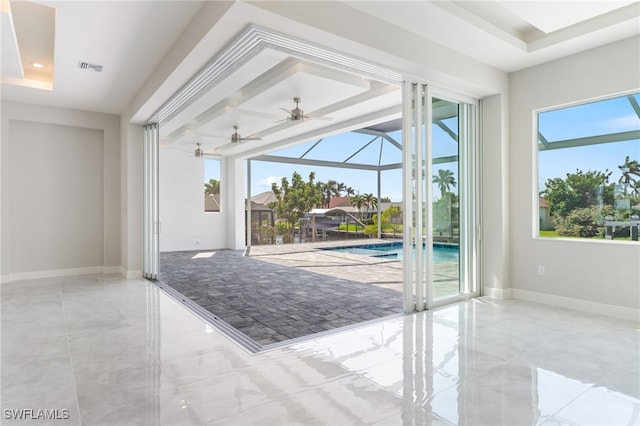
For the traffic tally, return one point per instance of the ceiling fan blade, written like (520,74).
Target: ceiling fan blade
(250,139)
(311,117)
(288,111)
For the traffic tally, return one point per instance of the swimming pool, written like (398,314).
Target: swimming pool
(441,252)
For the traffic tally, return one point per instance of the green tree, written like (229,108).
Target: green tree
(212,187)
(328,189)
(445,179)
(580,222)
(578,190)
(357,201)
(340,186)
(370,202)
(295,199)
(630,174)
(390,219)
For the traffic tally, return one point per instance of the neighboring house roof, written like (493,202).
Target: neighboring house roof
(384,206)
(212,204)
(542,202)
(259,207)
(264,197)
(339,202)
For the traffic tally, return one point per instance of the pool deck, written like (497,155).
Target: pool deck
(379,271)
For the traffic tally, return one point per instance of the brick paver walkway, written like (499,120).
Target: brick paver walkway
(283,292)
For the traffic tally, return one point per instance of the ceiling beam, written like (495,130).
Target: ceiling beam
(331,130)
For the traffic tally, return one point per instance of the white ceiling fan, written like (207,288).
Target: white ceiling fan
(235,138)
(297,114)
(199,151)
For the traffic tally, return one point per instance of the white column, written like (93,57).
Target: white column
(234,201)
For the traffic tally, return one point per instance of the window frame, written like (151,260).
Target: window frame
(536,166)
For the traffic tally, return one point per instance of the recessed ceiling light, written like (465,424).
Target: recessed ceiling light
(37,65)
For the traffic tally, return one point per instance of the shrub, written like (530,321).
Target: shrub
(581,222)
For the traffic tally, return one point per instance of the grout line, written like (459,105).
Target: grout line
(73,375)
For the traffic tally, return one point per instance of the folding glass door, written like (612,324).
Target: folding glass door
(440,247)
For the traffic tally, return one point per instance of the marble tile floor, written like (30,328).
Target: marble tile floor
(103,350)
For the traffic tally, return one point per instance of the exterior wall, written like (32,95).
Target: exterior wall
(601,274)
(60,192)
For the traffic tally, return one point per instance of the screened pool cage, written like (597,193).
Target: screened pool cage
(374,150)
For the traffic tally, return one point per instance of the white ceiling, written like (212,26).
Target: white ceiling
(129,39)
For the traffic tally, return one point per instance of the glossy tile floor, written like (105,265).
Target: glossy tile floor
(114,351)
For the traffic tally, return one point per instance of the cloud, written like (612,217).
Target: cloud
(269,180)
(627,122)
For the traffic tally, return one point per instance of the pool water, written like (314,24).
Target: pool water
(441,252)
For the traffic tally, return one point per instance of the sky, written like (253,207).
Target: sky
(597,118)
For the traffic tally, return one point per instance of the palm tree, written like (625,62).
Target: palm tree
(370,202)
(340,187)
(357,201)
(349,191)
(630,170)
(329,190)
(212,187)
(445,179)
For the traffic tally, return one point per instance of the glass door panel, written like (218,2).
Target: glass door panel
(440,187)
(445,198)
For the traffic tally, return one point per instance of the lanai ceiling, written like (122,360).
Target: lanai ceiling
(258,98)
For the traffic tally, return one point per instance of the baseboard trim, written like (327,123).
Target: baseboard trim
(130,274)
(498,293)
(4,279)
(111,270)
(55,273)
(621,312)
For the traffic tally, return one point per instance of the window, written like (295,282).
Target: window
(211,185)
(589,170)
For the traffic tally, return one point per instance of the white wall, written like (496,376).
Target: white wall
(599,275)
(184,225)
(495,196)
(60,192)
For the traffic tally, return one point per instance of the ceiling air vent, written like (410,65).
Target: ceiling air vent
(89,67)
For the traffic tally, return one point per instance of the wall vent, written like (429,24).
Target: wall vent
(89,67)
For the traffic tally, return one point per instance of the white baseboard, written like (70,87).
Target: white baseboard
(130,274)
(54,273)
(498,293)
(578,304)
(111,270)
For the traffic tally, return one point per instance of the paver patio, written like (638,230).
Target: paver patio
(277,293)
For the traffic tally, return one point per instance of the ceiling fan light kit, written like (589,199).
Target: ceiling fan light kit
(199,152)
(298,114)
